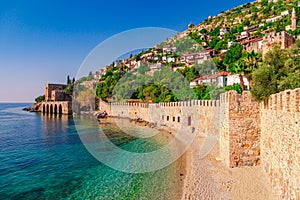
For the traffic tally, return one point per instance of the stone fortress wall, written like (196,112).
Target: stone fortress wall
(249,133)
(197,115)
(240,129)
(280,142)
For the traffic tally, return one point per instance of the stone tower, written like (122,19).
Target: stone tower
(294,20)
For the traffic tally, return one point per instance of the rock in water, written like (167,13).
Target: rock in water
(33,108)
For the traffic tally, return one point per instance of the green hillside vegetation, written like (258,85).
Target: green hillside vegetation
(278,71)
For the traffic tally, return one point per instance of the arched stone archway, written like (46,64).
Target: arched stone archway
(51,109)
(44,109)
(47,108)
(60,109)
(55,109)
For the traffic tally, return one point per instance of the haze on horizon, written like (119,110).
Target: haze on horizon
(45,41)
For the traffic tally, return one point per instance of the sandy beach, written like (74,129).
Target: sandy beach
(209,178)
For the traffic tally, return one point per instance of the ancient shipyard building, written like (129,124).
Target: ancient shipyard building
(56,100)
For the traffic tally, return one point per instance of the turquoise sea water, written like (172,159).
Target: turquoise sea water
(42,157)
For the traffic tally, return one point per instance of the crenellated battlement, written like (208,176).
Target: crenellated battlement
(280,128)
(233,98)
(288,100)
(207,103)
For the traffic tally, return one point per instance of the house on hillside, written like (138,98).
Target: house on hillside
(285,13)
(273,19)
(231,43)
(168,59)
(220,79)
(244,35)
(223,31)
(196,58)
(255,44)
(251,29)
(147,56)
(169,49)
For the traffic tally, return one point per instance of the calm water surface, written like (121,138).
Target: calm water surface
(42,157)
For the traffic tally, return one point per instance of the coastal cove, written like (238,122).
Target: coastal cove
(42,157)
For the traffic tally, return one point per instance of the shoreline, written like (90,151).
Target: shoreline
(210,178)
(181,172)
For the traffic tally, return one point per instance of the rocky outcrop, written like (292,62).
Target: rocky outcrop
(33,108)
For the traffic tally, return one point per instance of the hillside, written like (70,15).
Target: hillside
(250,14)
(219,54)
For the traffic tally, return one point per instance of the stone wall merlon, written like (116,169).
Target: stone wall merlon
(288,100)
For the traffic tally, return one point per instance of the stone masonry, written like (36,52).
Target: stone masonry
(280,142)
(56,100)
(240,131)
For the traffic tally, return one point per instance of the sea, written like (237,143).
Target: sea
(43,157)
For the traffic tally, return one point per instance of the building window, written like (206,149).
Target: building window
(178,119)
(174,119)
(168,118)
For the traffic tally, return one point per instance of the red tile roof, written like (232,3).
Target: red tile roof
(252,40)
(211,76)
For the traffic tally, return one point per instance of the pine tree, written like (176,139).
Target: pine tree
(68,80)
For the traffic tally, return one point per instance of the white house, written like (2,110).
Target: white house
(223,31)
(232,43)
(285,13)
(273,19)
(221,79)
(235,79)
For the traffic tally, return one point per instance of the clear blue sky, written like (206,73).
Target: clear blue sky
(44,41)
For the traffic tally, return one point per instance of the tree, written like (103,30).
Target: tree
(220,45)
(185,45)
(203,31)
(214,42)
(246,22)
(143,69)
(251,61)
(264,82)
(264,2)
(236,87)
(68,80)
(215,32)
(233,62)
(40,99)
(238,67)
(202,92)
(233,54)
(229,37)
(280,70)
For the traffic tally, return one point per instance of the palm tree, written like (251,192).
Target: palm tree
(251,61)
(238,67)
